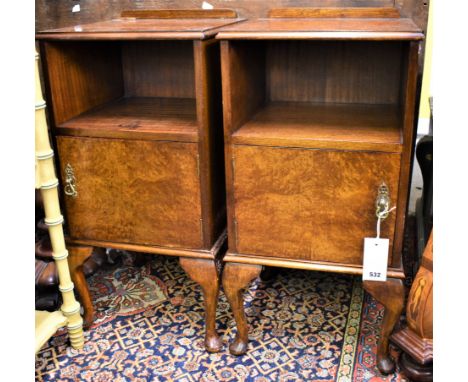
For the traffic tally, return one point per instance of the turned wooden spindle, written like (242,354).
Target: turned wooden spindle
(47,181)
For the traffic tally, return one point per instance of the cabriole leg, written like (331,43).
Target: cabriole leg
(391,294)
(235,278)
(205,273)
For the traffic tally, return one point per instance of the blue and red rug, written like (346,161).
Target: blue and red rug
(305,326)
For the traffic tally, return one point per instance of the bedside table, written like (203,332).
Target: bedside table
(137,122)
(318,114)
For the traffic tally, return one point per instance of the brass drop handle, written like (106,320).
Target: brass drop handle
(382,205)
(70,182)
(382,202)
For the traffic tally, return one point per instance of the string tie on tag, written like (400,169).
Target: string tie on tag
(381,215)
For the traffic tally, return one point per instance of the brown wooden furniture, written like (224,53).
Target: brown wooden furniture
(136,116)
(318,112)
(416,339)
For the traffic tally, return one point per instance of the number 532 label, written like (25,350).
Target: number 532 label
(375,259)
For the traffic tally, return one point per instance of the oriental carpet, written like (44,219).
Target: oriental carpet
(305,326)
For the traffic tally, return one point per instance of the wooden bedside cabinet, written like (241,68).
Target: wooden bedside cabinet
(318,113)
(137,121)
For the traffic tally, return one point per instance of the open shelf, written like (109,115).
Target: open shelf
(325,126)
(336,95)
(138,118)
(123,89)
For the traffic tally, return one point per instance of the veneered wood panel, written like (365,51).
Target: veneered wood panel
(139,192)
(334,72)
(81,76)
(158,69)
(313,205)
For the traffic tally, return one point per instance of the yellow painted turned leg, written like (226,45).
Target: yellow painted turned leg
(48,183)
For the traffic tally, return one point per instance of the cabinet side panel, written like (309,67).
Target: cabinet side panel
(81,75)
(243,81)
(211,145)
(243,90)
(316,205)
(139,192)
(409,107)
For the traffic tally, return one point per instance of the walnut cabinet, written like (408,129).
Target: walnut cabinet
(318,113)
(136,117)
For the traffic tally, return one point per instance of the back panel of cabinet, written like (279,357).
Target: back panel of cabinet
(363,72)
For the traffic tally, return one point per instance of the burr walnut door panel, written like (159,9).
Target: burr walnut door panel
(132,191)
(304,204)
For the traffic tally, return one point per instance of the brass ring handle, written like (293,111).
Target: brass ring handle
(70,182)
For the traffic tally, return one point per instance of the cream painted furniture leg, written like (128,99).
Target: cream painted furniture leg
(47,323)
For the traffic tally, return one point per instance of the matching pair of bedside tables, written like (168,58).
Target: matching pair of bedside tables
(318,111)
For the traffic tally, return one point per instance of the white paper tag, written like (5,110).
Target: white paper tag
(206,5)
(375,259)
(76,8)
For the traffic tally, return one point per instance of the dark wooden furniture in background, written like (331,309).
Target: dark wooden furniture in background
(137,121)
(318,112)
(424,205)
(416,340)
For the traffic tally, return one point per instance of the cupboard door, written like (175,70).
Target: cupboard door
(130,191)
(304,204)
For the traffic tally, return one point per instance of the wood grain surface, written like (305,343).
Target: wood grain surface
(150,28)
(179,13)
(158,69)
(139,192)
(56,14)
(210,144)
(244,90)
(323,28)
(173,119)
(352,12)
(80,76)
(408,105)
(332,126)
(309,265)
(309,204)
(334,72)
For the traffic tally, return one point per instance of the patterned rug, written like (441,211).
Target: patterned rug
(305,326)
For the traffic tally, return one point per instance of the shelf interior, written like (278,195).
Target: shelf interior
(141,117)
(332,126)
(317,94)
(123,89)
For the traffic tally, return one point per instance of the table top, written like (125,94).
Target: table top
(135,28)
(333,28)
